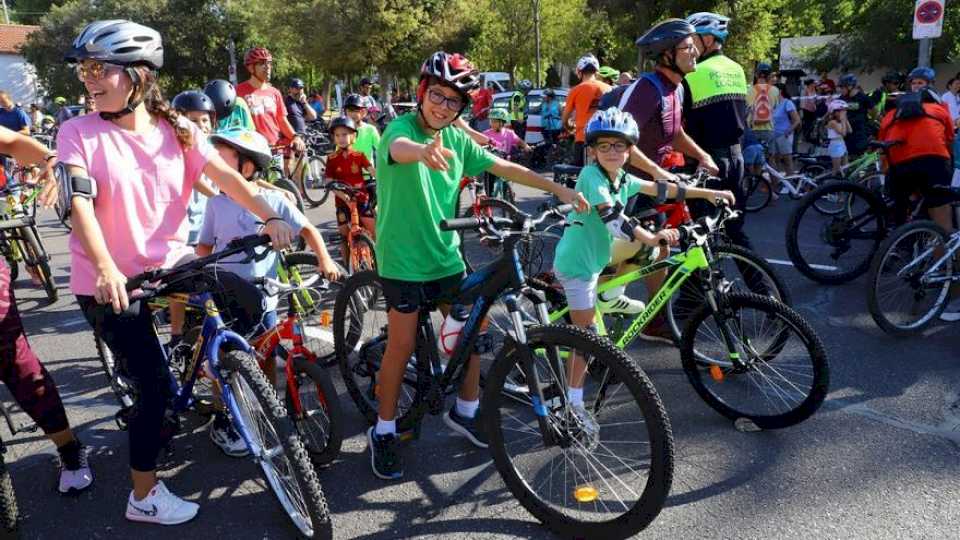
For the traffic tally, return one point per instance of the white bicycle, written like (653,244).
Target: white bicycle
(758,188)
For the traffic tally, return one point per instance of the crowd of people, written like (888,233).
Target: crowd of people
(191,172)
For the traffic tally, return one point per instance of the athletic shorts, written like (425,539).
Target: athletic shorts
(409,296)
(581,294)
(837,148)
(782,145)
(918,176)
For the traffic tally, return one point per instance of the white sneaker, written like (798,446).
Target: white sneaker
(161,507)
(621,304)
(227,439)
(77,479)
(952,312)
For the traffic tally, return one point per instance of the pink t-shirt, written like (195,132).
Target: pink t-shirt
(505,141)
(143,189)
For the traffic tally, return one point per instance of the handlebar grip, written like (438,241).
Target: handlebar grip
(460,224)
(664,243)
(249,241)
(563,209)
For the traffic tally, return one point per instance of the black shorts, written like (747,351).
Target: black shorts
(408,296)
(918,176)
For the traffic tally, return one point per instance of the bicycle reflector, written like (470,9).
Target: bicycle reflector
(586,494)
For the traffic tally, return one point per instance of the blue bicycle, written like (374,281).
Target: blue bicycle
(251,402)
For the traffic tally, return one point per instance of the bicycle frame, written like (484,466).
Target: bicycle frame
(687,263)
(953,245)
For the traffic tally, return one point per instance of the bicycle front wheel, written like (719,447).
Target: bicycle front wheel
(314,306)
(9,512)
(774,370)
(906,294)
(262,421)
(741,269)
(836,248)
(36,254)
(315,408)
(609,467)
(476,249)
(360,339)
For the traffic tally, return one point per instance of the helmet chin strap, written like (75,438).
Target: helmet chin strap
(672,66)
(131,104)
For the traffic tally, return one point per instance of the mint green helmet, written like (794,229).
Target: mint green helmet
(499,114)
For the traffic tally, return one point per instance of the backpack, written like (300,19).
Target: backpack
(762,110)
(910,106)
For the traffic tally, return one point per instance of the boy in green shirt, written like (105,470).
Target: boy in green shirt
(585,248)
(420,161)
(368,138)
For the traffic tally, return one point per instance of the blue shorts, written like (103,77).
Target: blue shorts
(753,155)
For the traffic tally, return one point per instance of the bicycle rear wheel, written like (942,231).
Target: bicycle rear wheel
(837,248)
(757,192)
(905,294)
(360,339)
(609,470)
(314,406)
(262,420)
(312,181)
(782,377)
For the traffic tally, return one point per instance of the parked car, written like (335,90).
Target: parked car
(534,100)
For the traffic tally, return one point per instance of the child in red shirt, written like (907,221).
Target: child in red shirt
(346,165)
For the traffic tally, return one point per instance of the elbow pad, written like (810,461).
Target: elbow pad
(618,224)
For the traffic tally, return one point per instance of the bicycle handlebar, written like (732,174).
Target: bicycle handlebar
(152,281)
(698,232)
(501,226)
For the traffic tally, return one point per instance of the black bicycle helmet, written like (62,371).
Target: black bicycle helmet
(354,101)
(193,100)
(892,77)
(664,35)
(296,83)
(849,80)
(223,96)
(343,121)
(764,69)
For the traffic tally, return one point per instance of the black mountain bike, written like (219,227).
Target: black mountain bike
(602,469)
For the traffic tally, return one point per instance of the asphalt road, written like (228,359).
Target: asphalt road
(880,459)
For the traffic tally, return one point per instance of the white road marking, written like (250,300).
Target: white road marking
(814,266)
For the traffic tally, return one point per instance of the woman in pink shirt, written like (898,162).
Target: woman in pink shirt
(144,160)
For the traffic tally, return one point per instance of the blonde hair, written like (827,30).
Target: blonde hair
(149,91)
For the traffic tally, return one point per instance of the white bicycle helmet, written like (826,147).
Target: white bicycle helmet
(248,144)
(612,123)
(709,23)
(118,42)
(587,62)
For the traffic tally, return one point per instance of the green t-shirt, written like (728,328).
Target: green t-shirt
(239,118)
(412,200)
(584,250)
(368,139)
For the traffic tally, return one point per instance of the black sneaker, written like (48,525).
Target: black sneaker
(468,427)
(384,459)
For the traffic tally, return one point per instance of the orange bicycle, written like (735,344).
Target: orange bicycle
(358,246)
